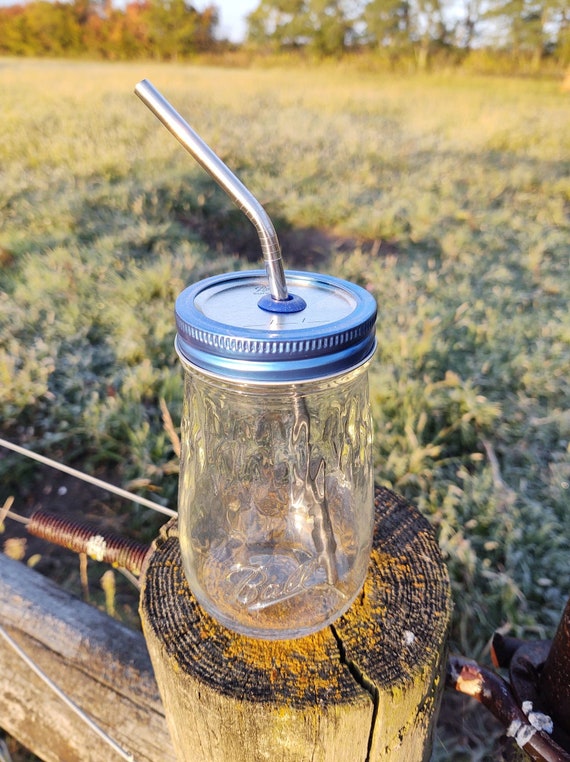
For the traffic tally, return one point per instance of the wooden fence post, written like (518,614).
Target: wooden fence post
(366,688)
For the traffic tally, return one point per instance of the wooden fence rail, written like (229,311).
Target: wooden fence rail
(101,665)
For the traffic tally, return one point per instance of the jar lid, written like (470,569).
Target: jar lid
(226,327)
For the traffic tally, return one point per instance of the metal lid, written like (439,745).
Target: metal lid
(223,330)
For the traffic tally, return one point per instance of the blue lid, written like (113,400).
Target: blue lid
(224,329)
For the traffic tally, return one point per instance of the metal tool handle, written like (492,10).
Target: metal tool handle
(226,179)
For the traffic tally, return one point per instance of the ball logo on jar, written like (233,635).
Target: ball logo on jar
(256,587)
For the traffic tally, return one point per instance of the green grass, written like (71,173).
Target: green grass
(453,193)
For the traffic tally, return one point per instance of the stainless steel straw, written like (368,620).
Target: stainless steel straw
(225,178)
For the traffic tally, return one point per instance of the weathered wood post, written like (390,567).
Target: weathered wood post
(365,688)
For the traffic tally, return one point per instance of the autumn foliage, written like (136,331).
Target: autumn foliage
(164,29)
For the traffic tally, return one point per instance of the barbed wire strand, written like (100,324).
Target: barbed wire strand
(61,695)
(86,478)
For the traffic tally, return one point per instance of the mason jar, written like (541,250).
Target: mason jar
(276,478)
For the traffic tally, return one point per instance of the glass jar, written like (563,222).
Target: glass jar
(276,479)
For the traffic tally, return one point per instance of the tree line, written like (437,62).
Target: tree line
(163,29)
(534,29)
(419,31)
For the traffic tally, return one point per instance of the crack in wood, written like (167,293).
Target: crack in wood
(364,682)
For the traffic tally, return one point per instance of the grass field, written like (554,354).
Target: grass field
(447,196)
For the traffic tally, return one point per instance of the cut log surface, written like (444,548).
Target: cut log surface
(100,664)
(365,688)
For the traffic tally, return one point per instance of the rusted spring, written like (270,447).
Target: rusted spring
(82,537)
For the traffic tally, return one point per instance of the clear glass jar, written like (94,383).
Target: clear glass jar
(276,502)
(276,479)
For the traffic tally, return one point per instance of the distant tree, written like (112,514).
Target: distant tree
(40,28)
(208,20)
(176,29)
(128,32)
(429,30)
(12,20)
(82,10)
(388,23)
(529,26)
(331,29)
(467,26)
(397,25)
(323,26)
(282,23)
(560,14)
